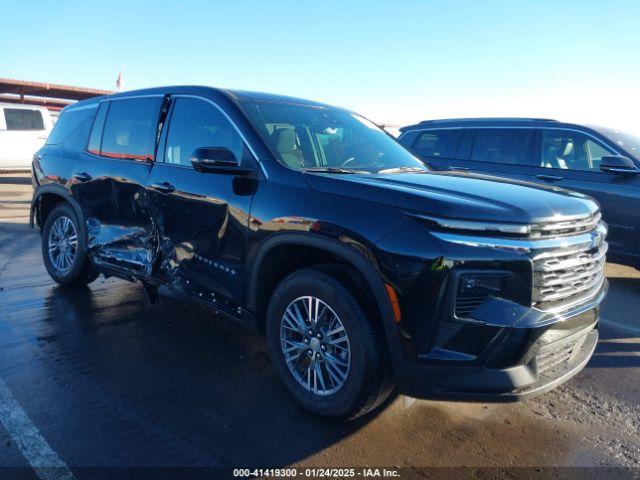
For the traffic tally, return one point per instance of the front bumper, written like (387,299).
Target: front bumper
(540,358)
(482,384)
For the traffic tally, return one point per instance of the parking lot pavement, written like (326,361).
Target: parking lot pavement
(15,197)
(108,381)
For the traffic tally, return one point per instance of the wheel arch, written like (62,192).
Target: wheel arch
(335,249)
(45,199)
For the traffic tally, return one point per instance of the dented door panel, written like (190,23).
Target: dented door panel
(121,233)
(202,231)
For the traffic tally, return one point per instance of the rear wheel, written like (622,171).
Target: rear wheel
(64,248)
(329,355)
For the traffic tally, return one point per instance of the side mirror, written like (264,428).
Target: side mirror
(618,164)
(217,160)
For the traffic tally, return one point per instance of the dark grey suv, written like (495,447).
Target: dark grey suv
(601,162)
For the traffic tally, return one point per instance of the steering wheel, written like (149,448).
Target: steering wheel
(348,161)
(353,159)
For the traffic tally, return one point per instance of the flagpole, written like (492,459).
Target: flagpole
(120,80)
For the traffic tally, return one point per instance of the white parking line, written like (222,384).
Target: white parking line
(621,326)
(44,461)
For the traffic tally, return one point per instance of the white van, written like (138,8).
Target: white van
(23,130)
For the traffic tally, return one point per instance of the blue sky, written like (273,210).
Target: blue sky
(396,62)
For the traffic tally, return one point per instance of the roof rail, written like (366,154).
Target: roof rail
(489,119)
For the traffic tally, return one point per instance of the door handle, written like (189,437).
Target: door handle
(549,178)
(459,169)
(82,177)
(163,187)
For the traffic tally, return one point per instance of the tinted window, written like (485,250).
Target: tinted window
(569,150)
(130,129)
(98,126)
(68,123)
(23,119)
(501,146)
(438,143)
(194,124)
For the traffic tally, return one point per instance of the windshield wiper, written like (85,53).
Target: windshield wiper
(332,170)
(403,170)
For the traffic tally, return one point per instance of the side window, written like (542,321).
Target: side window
(501,146)
(195,123)
(569,150)
(23,119)
(438,143)
(95,138)
(70,121)
(595,152)
(130,129)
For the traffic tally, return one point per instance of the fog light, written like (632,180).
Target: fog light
(476,288)
(489,283)
(469,282)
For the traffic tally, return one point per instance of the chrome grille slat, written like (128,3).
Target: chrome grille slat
(567,227)
(555,294)
(572,271)
(550,261)
(568,275)
(563,277)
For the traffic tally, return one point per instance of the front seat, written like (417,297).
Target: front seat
(285,141)
(565,153)
(550,155)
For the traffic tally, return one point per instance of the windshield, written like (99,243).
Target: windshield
(630,143)
(310,138)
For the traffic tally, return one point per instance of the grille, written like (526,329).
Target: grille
(566,228)
(467,302)
(564,277)
(554,358)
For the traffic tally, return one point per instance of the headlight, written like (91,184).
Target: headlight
(470,225)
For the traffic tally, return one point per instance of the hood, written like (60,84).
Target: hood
(460,195)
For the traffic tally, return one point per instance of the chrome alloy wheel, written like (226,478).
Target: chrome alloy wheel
(315,345)
(63,244)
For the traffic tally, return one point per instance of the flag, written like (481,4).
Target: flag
(119,81)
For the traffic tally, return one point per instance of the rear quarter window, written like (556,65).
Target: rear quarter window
(95,138)
(69,123)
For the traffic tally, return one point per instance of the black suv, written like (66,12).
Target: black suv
(601,162)
(308,223)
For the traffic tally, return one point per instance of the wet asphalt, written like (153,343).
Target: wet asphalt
(110,382)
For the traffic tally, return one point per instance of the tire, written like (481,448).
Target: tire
(345,392)
(62,229)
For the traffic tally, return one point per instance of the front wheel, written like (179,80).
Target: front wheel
(64,249)
(329,355)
